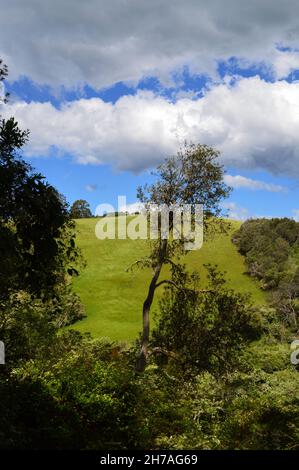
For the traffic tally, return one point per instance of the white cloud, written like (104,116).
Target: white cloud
(254,124)
(91,187)
(285,62)
(236,212)
(239,181)
(101,42)
(296,214)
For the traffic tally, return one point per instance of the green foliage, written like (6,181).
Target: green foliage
(267,245)
(37,235)
(205,329)
(271,250)
(28,325)
(250,409)
(80,210)
(193,176)
(264,412)
(25,327)
(38,252)
(84,395)
(202,404)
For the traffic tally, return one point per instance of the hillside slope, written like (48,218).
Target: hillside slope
(113,297)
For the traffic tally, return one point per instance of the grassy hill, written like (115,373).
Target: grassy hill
(113,297)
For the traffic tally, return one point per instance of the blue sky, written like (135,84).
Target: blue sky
(108,93)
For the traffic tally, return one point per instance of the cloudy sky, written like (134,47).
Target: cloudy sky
(109,88)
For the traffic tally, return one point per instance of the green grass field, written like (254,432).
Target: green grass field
(113,297)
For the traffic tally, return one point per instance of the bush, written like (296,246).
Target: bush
(205,330)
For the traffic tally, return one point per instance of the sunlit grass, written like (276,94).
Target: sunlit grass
(113,297)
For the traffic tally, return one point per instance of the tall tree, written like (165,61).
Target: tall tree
(193,176)
(37,246)
(80,209)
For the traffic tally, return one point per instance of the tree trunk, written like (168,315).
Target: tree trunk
(141,361)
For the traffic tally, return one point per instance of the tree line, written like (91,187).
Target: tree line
(271,250)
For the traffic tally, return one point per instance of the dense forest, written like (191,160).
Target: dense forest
(271,248)
(217,374)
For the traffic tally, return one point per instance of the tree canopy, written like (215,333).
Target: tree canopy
(37,234)
(80,209)
(195,177)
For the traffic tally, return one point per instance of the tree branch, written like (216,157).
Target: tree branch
(172,283)
(166,352)
(144,262)
(166,281)
(169,261)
